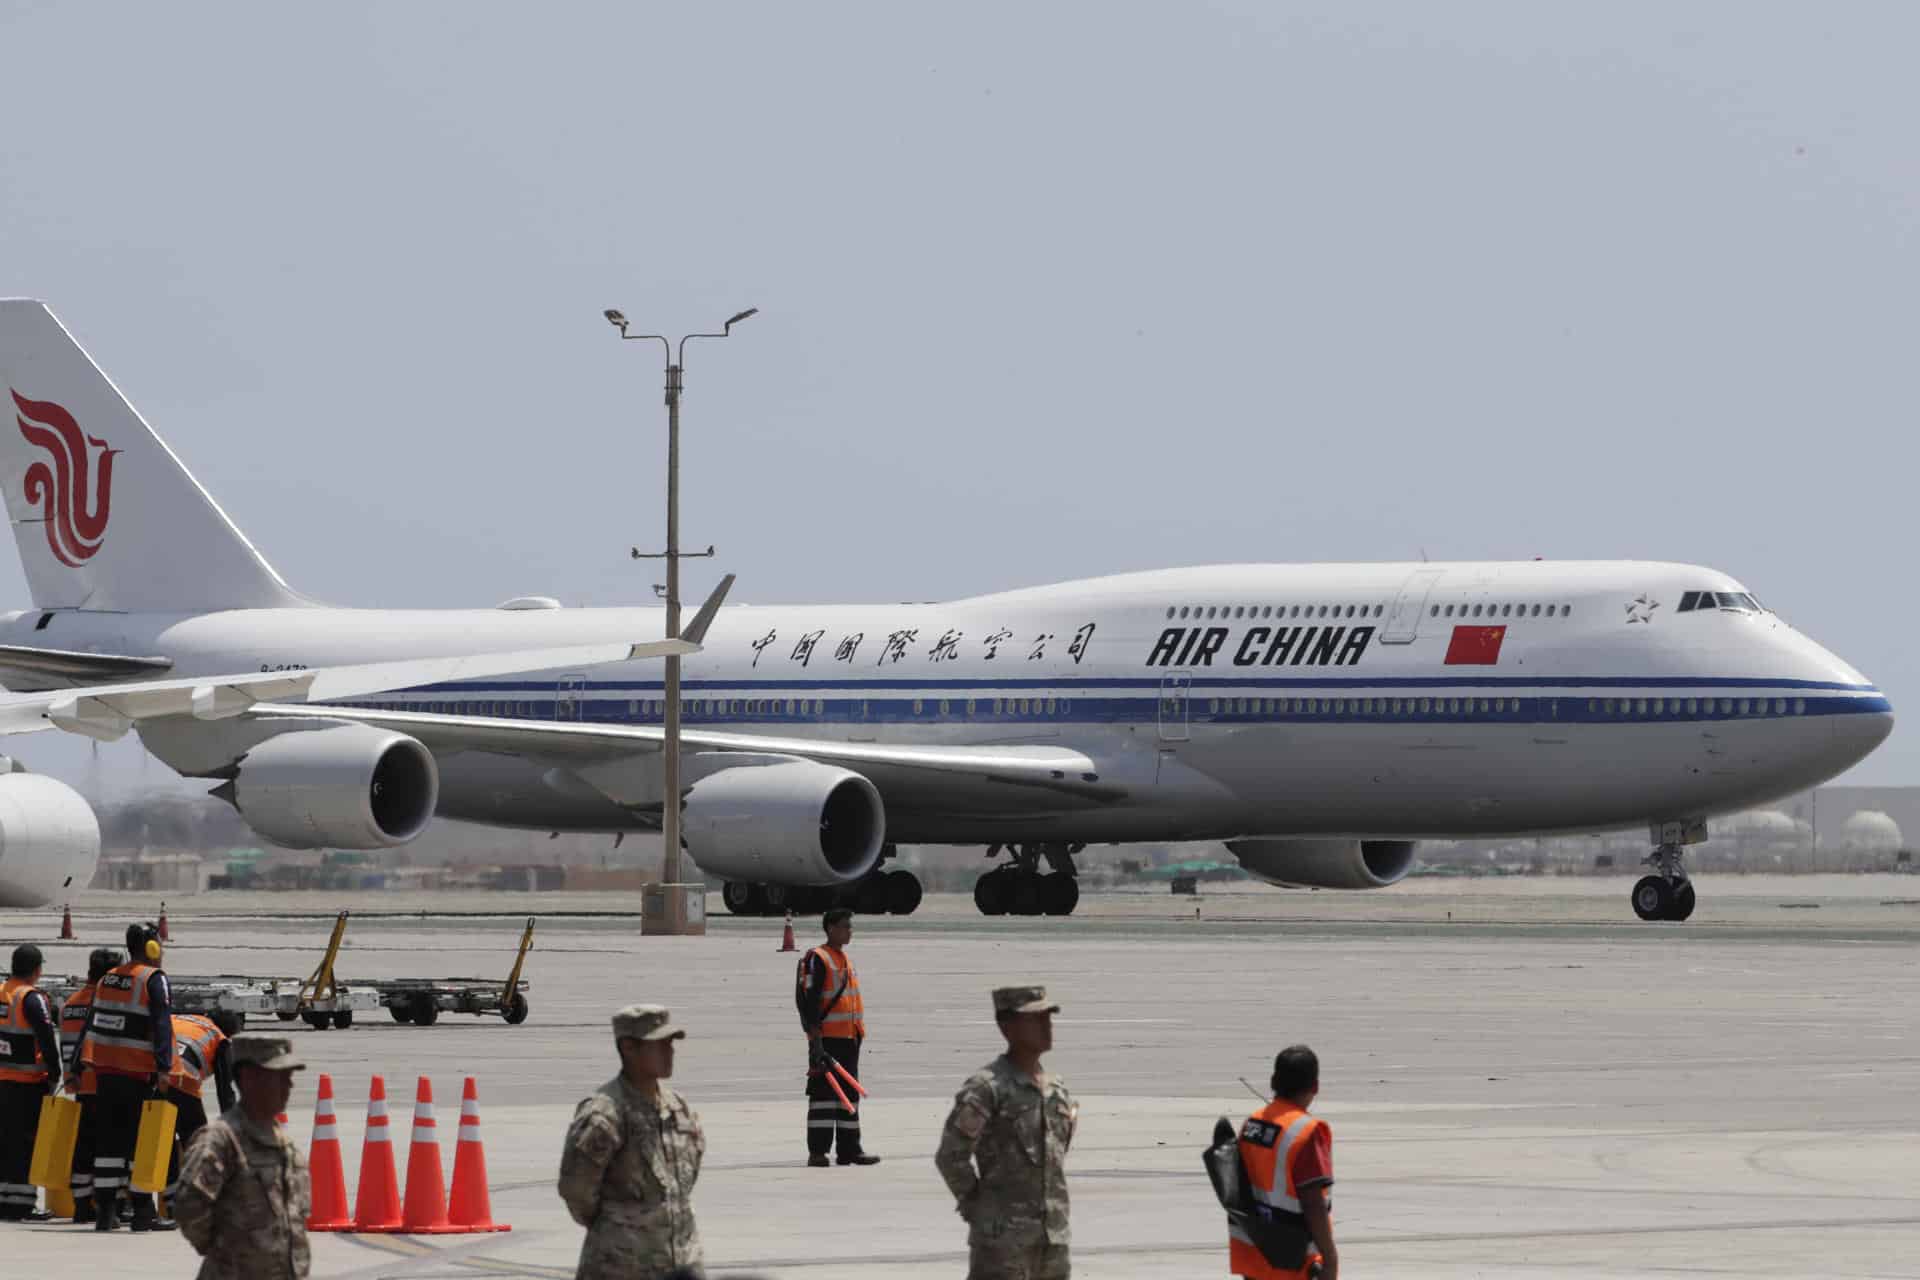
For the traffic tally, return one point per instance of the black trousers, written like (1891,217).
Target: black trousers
(827,1121)
(19,1119)
(82,1180)
(116,1129)
(192,1119)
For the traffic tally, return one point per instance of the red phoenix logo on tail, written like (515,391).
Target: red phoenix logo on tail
(61,491)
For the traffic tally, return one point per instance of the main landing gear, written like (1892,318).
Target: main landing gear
(893,893)
(1020,888)
(1667,894)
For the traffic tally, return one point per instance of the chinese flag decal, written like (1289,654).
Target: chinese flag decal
(1475,646)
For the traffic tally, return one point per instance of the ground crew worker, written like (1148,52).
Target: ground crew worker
(1003,1149)
(200,1050)
(80,1077)
(834,1018)
(128,1037)
(632,1155)
(244,1189)
(29,1071)
(1288,1156)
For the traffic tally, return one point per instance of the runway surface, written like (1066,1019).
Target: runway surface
(1522,1080)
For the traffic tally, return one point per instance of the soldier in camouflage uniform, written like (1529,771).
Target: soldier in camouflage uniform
(244,1192)
(1003,1150)
(632,1155)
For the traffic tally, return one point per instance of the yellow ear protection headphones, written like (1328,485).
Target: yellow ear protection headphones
(148,945)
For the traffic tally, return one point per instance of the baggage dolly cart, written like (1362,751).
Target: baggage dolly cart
(421,1000)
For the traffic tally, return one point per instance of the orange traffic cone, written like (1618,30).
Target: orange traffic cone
(376,1205)
(786,938)
(329,1176)
(66,924)
(470,1208)
(426,1211)
(161,928)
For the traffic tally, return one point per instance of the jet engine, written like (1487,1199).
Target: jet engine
(49,838)
(1308,863)
(785,821)
(342,787)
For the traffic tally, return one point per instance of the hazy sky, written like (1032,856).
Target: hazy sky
(1046,290)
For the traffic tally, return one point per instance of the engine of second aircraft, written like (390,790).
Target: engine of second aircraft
(345,786)
(1317,863)
(784,820)
(49,838)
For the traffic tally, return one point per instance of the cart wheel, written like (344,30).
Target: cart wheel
(399,1012)
(285,1015)
(230,1023)
(425,1012)
(318,1021)
(516,1010)
(343,1019)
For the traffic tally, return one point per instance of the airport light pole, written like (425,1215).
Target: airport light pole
(670,749)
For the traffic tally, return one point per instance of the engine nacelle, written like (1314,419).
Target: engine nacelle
(344,787)
(49,839)
(1308,863)
(781,820)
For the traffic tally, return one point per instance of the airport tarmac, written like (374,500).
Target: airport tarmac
(1522,1080)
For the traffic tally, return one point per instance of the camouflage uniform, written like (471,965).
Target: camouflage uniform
(628,1171)
(244,1191)
(1017,1133)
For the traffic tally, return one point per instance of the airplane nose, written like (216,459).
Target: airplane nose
(1857,735)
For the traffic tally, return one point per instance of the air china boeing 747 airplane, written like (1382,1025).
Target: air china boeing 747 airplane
(1317,719)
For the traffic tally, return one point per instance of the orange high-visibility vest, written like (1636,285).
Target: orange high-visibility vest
(843,1017)
(73,1016)
(20,1060)
(195,1041)
(1269,1140)
(121,1040)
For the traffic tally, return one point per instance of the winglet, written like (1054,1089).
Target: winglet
(696,630)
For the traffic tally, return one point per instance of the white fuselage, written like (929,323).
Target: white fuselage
(1236,700)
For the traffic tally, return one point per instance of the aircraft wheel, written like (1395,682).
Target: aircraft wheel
(743,897)
(1682,903)
(871,898)
(1059,894)
(779,899)
(1652,898)
(993,893)
(1028,894)
(903,893)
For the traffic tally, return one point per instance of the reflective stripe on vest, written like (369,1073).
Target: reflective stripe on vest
(122,1036)
(20,1061)
(73,1016)
(195,1041)
(843,1017)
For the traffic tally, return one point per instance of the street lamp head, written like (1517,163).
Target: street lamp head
(617,320)
(750,311)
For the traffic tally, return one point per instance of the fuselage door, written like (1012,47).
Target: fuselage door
(1174,688)
(567,699)
(1403,624)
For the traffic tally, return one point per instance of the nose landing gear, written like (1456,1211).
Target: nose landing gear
(1667,894)
(1020,888)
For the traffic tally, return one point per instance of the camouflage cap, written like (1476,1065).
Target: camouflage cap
(270,1053)
(645,1022)
(1022,1000)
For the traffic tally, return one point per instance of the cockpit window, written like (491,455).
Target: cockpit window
(1732,601)
(1689,602)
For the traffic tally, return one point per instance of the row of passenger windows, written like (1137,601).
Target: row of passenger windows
(1695,706)
(657,708)
(1277,611)
(1734,601)
(1502,611)
(1353,706)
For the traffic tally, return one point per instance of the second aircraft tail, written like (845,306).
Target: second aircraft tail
(104,516)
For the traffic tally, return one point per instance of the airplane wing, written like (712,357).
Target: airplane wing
(602,754)
(25,666)
(108,711)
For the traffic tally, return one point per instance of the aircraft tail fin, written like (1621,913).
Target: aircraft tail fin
(103,514)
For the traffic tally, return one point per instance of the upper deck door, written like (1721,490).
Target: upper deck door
(1403,623)
(568,697)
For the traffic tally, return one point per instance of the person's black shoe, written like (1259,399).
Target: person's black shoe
(816,1162)
(83,1211)
(155,1224)
(862,1158)
(36,1215)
